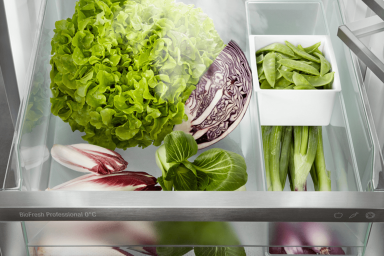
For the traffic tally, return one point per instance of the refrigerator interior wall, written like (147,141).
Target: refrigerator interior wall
(375,87)
(347,137)
(22,17)
(356,10)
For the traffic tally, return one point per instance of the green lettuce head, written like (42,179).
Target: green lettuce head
(123,70)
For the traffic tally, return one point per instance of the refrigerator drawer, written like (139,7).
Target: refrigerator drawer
(255,218)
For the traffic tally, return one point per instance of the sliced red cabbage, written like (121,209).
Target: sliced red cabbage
(220,99)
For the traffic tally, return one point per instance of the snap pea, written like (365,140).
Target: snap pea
(259,59)
(269,66)
(289,87)
(317,81)
(325,65)
(282,83)
(277,63)
(284,68)
(277,47)
(287,75)
(318,51)
(296,57)
(328,86)
(312,48)
(265,85)
(313,64)
(301,82)
(260,70)
(299,66)
(280,87)
(304,87)
(278,75)
(277,66)
(301,53)
(283,56)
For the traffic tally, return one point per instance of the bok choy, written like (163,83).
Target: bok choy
(214,170)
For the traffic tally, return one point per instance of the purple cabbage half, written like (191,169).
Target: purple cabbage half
(220,99)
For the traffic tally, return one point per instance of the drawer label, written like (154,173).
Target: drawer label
(57,214)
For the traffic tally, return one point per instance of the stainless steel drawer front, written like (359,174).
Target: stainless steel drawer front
(193,206)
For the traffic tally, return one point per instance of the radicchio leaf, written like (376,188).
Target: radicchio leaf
(88,158)
(120,181)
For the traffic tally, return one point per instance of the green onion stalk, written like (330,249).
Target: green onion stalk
(266,132)
(320,175)
(304,152)
(276,142)
(294,152)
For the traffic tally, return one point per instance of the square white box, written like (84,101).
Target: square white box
(295,107)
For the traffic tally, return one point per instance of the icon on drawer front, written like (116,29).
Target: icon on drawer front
(370,215)
(338,215)
(353,215)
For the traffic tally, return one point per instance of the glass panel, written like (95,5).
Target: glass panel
(347,141)
(142,251)
(262,18)
(147,234)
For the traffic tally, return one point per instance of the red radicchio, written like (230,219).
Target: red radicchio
(220,99)
(88,158)
(120,181)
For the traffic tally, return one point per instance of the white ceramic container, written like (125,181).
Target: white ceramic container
(295,107)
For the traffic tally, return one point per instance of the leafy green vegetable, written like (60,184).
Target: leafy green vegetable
(123,70)
(214,170)
(37,104)
(201,233)
(179,146)
(226,170)
(219,251)
(173,251)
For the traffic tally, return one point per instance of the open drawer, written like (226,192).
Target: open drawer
(253,218)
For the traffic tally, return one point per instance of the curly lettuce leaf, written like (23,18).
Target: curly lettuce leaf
(123,70)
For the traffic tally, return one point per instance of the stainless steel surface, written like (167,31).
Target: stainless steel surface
(366,27)
(7,67)
(6,131)
(192,206)
(377,6)
(375,245)
(361,51)
(12,240)
(378,175)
